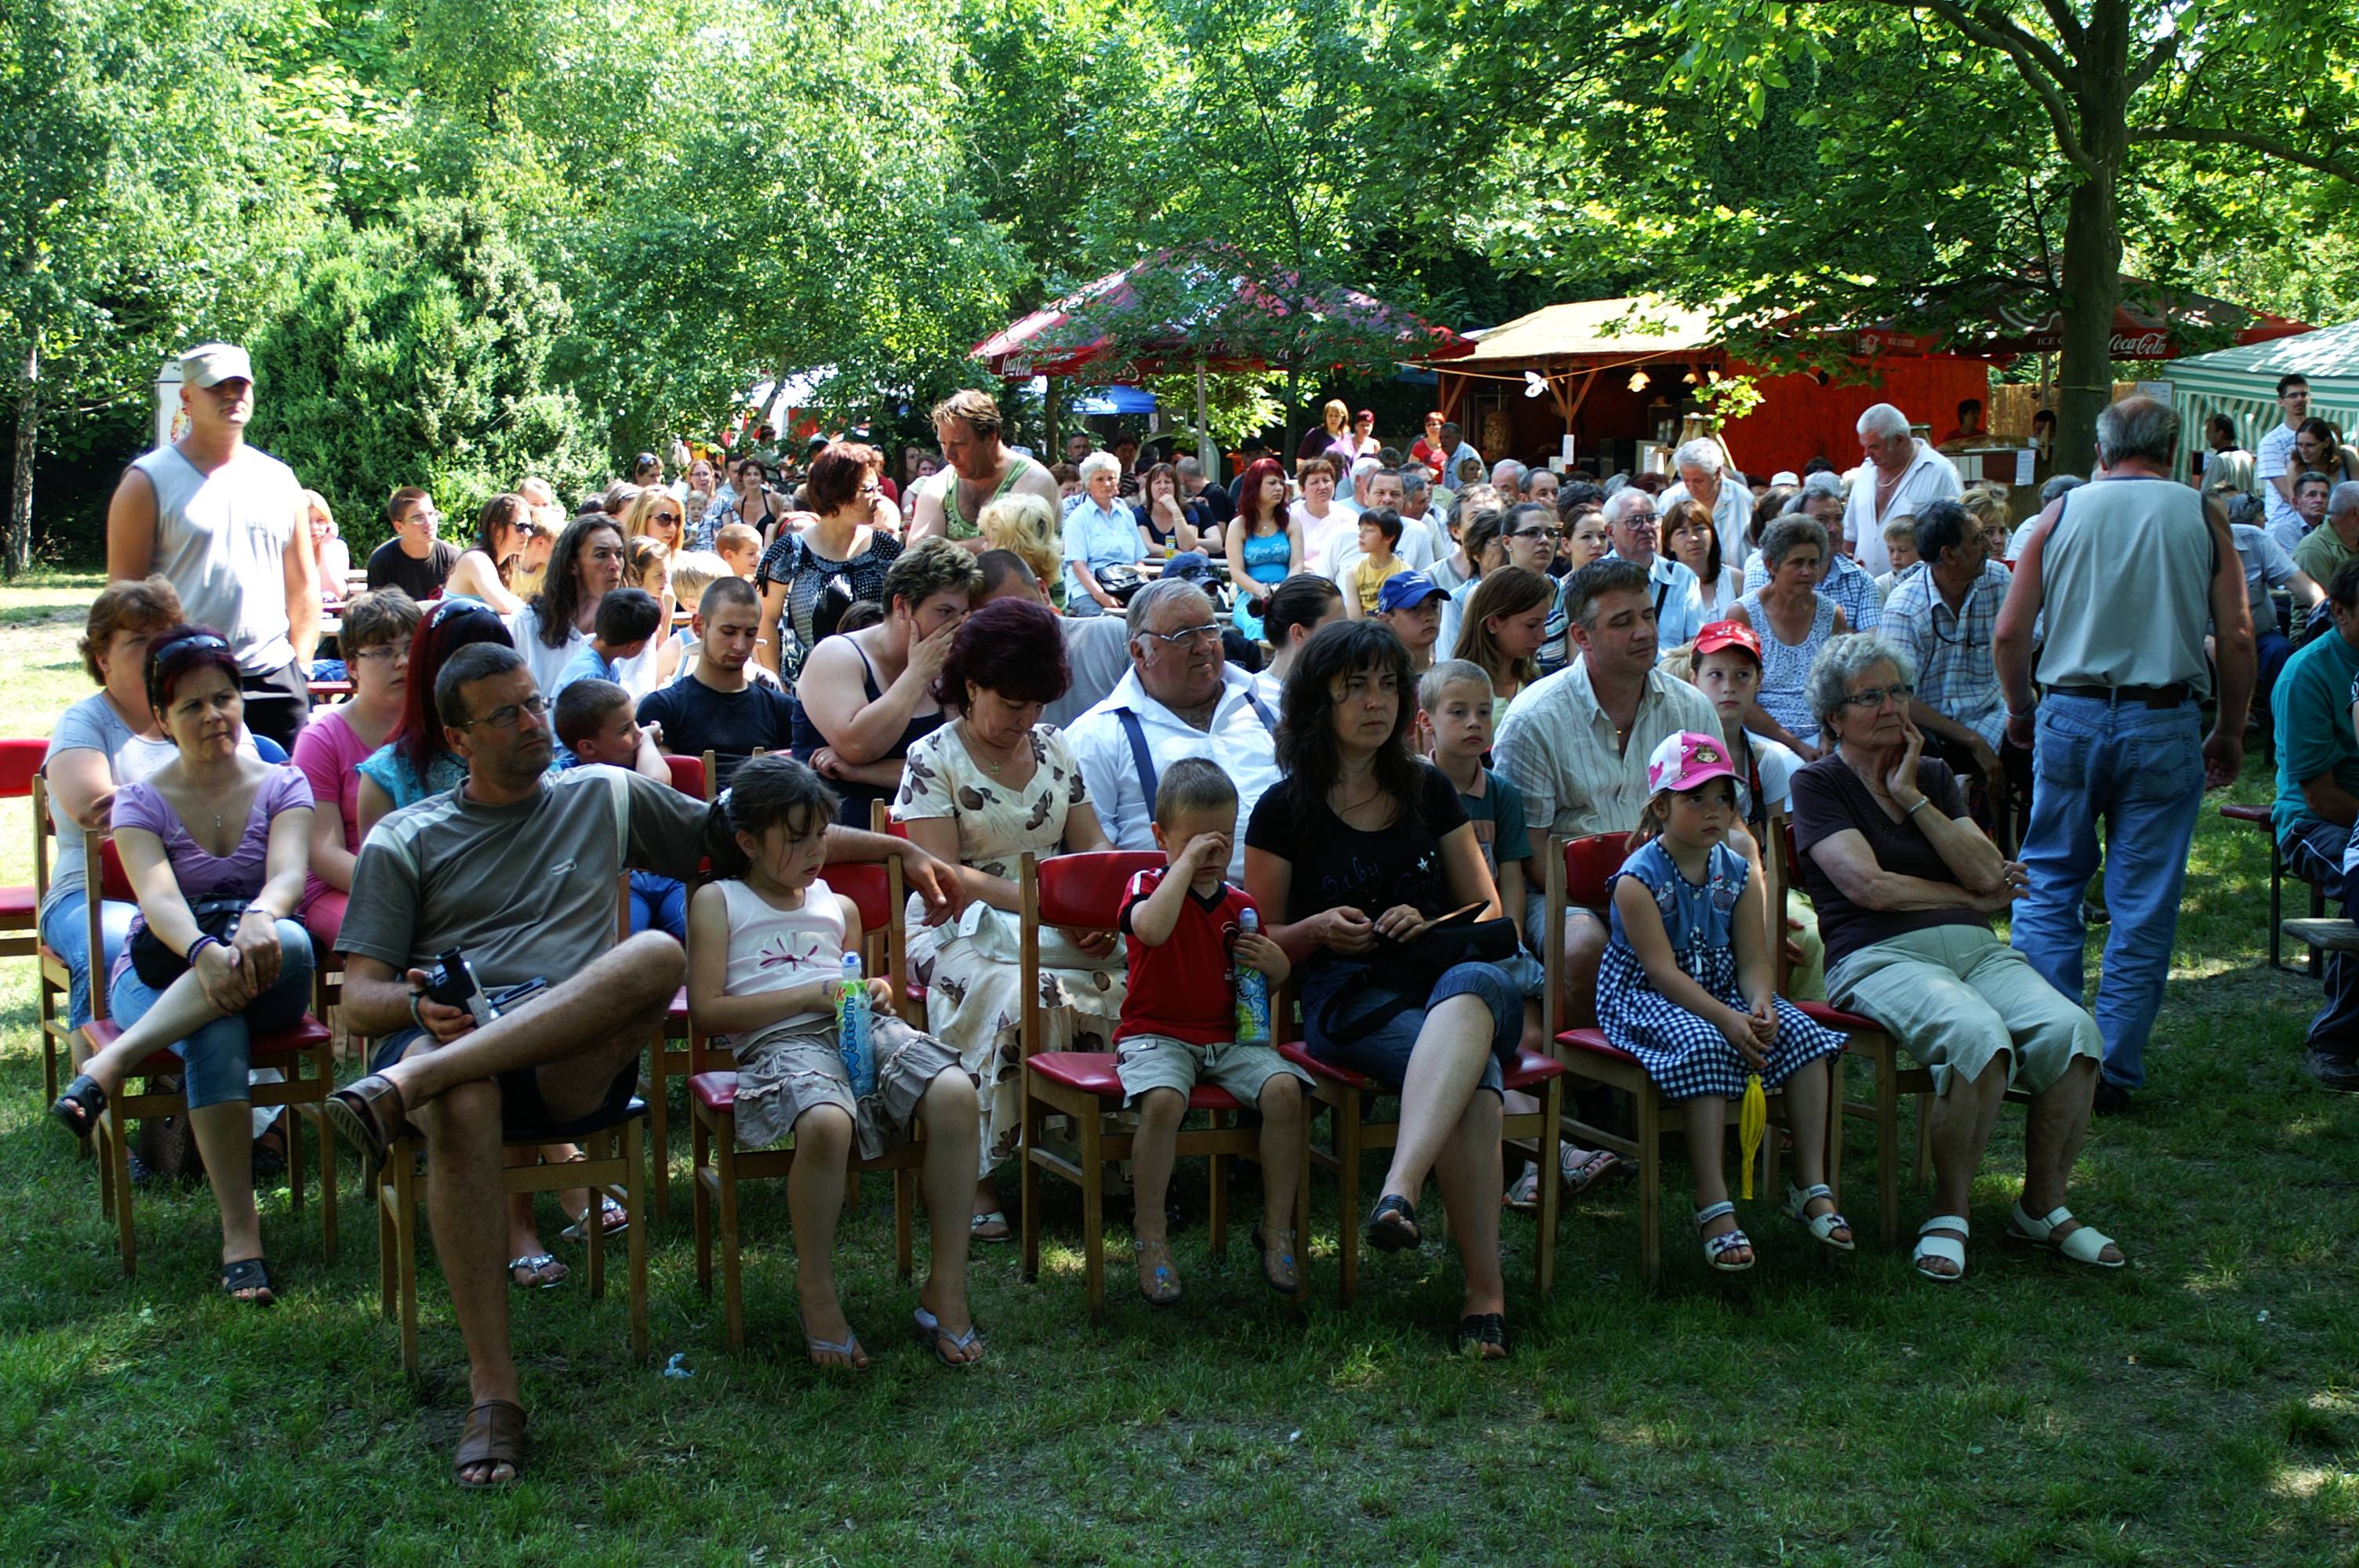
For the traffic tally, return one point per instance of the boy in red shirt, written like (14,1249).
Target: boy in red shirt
(1180,1021)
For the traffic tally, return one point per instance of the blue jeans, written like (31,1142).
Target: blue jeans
(2139,772)
(660,902)
(218,1054)
(2313,851)
(2273,648)
(66,929)
(1383,1053)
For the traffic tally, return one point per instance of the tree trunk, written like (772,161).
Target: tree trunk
(18,553)
(2092,242)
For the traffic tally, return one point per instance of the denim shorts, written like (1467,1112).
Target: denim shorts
(1383,1053)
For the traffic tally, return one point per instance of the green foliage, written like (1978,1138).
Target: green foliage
(417,352)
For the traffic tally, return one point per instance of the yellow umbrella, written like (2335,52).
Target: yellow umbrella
(1752,1121)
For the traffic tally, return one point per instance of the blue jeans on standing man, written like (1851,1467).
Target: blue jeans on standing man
(2138,772)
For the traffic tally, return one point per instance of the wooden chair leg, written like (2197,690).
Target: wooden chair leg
(290,1123)
(700,1203)
(115,1131)
(1348,1106)
(660,1127)
(1089,1128)
(593,1227)
(1302,1207)
(1887,1146)
(404,1252)
(1551,1136)
(635,1241)
(1216,1207)
(1028,1183)
(732,1295)
(326,1131)
(904,1223)
(385,1240)
(1650,1184)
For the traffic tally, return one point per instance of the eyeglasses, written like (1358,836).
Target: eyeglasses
(427,517)
(459,604)
(1185,634)
(671,517)
(507,716)
(384,653)
(1549,535)
(1875,695)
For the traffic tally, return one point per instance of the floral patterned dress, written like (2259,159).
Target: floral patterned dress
(970,970)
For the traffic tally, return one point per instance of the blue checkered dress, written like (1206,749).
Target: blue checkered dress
(1685,1056)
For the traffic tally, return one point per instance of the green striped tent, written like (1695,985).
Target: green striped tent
(2241,382)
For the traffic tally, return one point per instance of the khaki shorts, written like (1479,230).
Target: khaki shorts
(1158,1061)
(1955,997)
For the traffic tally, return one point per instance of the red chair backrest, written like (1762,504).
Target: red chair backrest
(1085,891)
(1588,863)
(1793,856)
(20,760)
(687,775)
(114,881)
(864,883)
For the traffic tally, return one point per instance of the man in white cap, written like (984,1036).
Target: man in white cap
(228,527)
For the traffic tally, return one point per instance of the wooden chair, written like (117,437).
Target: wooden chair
(668,1054)
(1084,892)
(912,995)
(2258,817)
(720,1165)
(20,907)
(54,995)
(306,1044)
(1576,872)
(1865,1038)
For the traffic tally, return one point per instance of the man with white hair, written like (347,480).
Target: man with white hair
(2131,570)
(1631,517)
(1902,475)
(2335,539)
(1507,476)
(1419,510)
(1703,479)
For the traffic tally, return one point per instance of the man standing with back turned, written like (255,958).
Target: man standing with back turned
(229,527)
(2130,569)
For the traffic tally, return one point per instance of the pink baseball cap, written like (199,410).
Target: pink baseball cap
(1686,760)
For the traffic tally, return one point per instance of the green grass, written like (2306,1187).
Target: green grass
(2197,1408)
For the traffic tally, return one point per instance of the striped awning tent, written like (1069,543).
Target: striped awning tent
(2241,382)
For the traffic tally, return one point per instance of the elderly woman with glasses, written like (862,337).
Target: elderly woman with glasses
(1904,885)
(1101,533)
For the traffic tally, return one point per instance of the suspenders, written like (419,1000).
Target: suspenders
(1143,761)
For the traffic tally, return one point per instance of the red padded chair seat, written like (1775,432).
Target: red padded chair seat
(1835,1018)
(714,1091)
(1531,1068)
(307,1033)
(1093,1073)
(19,904)
(1592,1042)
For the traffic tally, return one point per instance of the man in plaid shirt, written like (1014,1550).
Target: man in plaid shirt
(1944,615)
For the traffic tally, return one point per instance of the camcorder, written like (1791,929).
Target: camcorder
(451,981)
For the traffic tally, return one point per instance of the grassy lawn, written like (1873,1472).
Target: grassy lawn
(2196,1408)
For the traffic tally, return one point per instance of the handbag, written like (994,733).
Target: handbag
(157,966)
(1398,977)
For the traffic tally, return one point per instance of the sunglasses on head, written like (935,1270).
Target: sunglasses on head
(458,604)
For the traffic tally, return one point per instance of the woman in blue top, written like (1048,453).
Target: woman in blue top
(1686,988)
(1795,619)
(1099,532)
(1264,547)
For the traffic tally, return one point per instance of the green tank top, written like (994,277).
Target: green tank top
(956,524)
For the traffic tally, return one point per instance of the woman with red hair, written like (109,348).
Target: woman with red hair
(1265,547)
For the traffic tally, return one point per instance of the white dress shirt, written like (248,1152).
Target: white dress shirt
(1930,477)
(2273,460)
(1558,747)
(1732,515)
(1239,740)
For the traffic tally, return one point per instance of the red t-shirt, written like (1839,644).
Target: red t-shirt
(1181,989)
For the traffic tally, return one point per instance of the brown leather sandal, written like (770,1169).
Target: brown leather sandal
(369,1112)
(494,1435)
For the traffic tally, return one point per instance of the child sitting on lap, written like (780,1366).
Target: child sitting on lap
(766,956)
(1685,987)
(1180,1021)
(593,723)
(627,619)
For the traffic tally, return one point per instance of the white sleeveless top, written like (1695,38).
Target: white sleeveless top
(220,539)
(771,949)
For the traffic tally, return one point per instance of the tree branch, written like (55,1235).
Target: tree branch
(2268,146)
(2018,47)
(2066,71)
(2068,25)
(2160,55)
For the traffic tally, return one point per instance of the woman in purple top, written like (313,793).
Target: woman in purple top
(215,823)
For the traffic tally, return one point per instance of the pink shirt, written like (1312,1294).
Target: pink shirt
(329,754)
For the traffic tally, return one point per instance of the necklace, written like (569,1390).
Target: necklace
(981,753)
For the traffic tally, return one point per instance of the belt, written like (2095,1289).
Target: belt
(2114,695)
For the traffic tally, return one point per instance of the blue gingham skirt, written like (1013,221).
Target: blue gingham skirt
(1686,1056)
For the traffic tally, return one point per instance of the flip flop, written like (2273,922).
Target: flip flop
(1392,1225)
(539,1263)
(847,1348)
(78,1109)
(1485,1331)
(936,1339)
(608,1209)
(248,1275)
(494,1434)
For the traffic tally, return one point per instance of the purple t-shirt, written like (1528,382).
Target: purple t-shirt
(238,874)
(330,755)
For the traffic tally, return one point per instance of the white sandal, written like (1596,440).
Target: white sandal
(1822,1226)
(1949,1249)
(2085,1245)
(1715,1247)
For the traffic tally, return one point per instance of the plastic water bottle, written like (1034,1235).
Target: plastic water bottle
(1253,991)
(854,1041)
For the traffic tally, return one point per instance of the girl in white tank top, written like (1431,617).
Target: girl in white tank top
(772,949)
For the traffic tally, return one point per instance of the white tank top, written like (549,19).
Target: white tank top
(220,539)
(772,948)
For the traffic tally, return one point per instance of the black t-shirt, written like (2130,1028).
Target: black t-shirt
(1828,798)
(390,567)
(730,724)
(1336,864)
(1210,509)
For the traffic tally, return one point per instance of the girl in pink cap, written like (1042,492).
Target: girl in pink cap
(1685,988)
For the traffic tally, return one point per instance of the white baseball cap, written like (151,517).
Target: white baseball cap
(209,364)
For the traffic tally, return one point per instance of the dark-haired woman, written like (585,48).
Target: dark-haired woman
(806,579)
(1358,842)
(1162,513)
(215,826)
(378,629)
(1263,545)
(981,792)
(487,571)
(1302,605)
(585,566)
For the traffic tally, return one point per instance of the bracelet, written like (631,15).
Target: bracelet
(199,946)
(1923,801)
(416,1017)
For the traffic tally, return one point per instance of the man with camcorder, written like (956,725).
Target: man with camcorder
(479,952)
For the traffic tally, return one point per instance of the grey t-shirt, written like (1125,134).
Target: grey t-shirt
(89,724)
(527,890)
